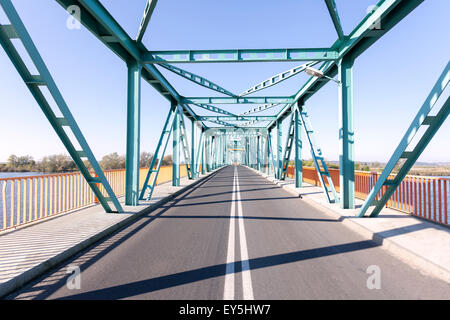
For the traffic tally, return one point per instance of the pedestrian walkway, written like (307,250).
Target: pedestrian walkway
(31,250)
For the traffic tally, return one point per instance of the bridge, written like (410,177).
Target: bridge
(236,215)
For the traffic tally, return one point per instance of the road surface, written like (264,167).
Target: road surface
(235,236)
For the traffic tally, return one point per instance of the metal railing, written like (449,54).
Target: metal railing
(422,196)
(32,198)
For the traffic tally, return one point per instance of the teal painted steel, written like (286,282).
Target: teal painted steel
(423,118)
(185,145)
(149,8)
(280,77)
(133,135)
(214,109)
(201,81)
(346,135)
(259,109)
(298,149)
(149,185)
(193,143)
(59,124)
(100,22)
(319,161)
(387,14)
(237,100)
(236,118)
(288,147)
(258,153)
(279,149)
(176,143)
(332,9)
(240,55)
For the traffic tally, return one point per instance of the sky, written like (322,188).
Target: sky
(391,79)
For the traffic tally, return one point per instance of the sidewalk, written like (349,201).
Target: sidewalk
(423,245)
(30,251)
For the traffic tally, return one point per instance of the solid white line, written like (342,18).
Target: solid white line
(246,276)
(228,293)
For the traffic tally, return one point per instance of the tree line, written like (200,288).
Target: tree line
(63,163)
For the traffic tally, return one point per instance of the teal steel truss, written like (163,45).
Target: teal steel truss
(63,125)
(319,161)
(431,124)
(213,146)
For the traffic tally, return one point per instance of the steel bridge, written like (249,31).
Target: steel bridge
(246,138)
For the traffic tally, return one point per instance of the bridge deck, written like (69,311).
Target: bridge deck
(196,247)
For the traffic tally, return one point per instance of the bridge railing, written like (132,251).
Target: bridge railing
(32,198)
(422,196)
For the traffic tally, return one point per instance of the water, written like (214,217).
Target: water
(19,174)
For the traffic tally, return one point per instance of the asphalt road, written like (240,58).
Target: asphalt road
(236,236)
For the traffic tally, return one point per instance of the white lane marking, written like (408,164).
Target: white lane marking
(228,293)
(246,276)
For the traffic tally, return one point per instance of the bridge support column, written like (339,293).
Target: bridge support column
(203,155)
(133,134)
(279,149)
(269,142)
(258,155)
(176,150)
(193,163)
(298,149)
(346,135)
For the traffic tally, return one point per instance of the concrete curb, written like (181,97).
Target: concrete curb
(414,260)
(30,275)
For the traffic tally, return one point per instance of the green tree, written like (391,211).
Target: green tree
(57,163)
(112,161)
(146,159)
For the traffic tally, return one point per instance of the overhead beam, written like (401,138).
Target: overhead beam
(101,24)
(223,123)
(240,55)
(149,8)
(214,109)
(386,16)
(197,79)
(237,118)
(259,108)
(277,79)
(236,100)
(332,9)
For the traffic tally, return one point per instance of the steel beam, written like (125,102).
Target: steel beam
(230,100)
(201,81)
(332,9)
(149,8)
(280,77)
(133,135)
(387,14)
(240,55)
(214,109)
(279,149)
(346,135)
(298,149)
(176,144)
(236,118)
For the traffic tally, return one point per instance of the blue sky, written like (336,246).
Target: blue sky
(392,78)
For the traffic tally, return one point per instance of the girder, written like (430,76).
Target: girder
(240,55)
(282,76)
(149,8)
(197,79)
